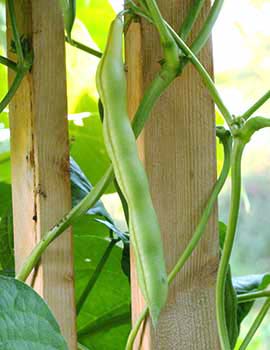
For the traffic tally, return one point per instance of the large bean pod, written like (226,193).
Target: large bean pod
(130,174)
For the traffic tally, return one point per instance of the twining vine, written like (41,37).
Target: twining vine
(127,171)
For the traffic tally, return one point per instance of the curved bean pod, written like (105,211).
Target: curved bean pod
(130,174)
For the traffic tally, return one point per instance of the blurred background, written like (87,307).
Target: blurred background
(242,72)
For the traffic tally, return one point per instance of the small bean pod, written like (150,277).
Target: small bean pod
(130,174)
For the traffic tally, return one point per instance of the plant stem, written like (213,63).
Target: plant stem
(256,106)
(91,283)
(8,63)
(207,28)
(76,212)
(207,211)
(160,83)
(171,52)
(15,32)
(135,329)
(237,152)
(103,322)
(14,87)
(208,82)
(225,138)
(84,48)
(243,298)
(190,19)
(256,324)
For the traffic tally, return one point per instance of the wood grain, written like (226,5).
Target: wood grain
(178,147)
(40,159)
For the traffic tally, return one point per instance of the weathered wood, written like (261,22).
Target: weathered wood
(40,159)
(178,150)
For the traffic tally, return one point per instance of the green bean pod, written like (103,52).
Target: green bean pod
(130,174)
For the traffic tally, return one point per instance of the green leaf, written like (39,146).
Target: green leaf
(231,306)
(251,283)
(6,231)
(97,17)
(6,244)
(80,187)
(110,293)
(26,322)
(247,284)
(231,309)
(69,11)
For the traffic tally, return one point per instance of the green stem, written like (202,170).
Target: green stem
(13,89)
(76,212)
(208,82)
(244,298)
(207,211)
(256,324)
(15,32)
(162,80)
(8,63)
(238,148)
(104,322)
(190,19)
(225,138)
(207,28)
(84,48)
(171,52)
(256,106)
(91,283)
(135,329)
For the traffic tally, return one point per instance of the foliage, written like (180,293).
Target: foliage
(22,308)
(104,321)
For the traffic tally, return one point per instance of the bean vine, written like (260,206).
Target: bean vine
(120,139)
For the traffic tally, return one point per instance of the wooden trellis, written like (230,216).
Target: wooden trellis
(177,148)
(40,159)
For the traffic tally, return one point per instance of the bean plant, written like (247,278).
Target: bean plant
(234,297)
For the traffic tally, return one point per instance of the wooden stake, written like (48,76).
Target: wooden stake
(40,159)
(178,149)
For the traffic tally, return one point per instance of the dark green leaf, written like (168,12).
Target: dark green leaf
(69,12)
(231,310)
(231,307)
(111,291)
(125,261)
(6,231)
(80,187)
(26,322)
(247,284)
(6,244)
(251,283)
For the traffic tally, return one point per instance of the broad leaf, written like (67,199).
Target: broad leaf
(69,12)
(231,307)
(26,322)
(247,284)
(231,310)
(97,16)
(80,187)
(6,244)
(110,293)
(251,283)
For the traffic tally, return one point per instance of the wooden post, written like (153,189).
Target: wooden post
(178,149)
(40,158)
